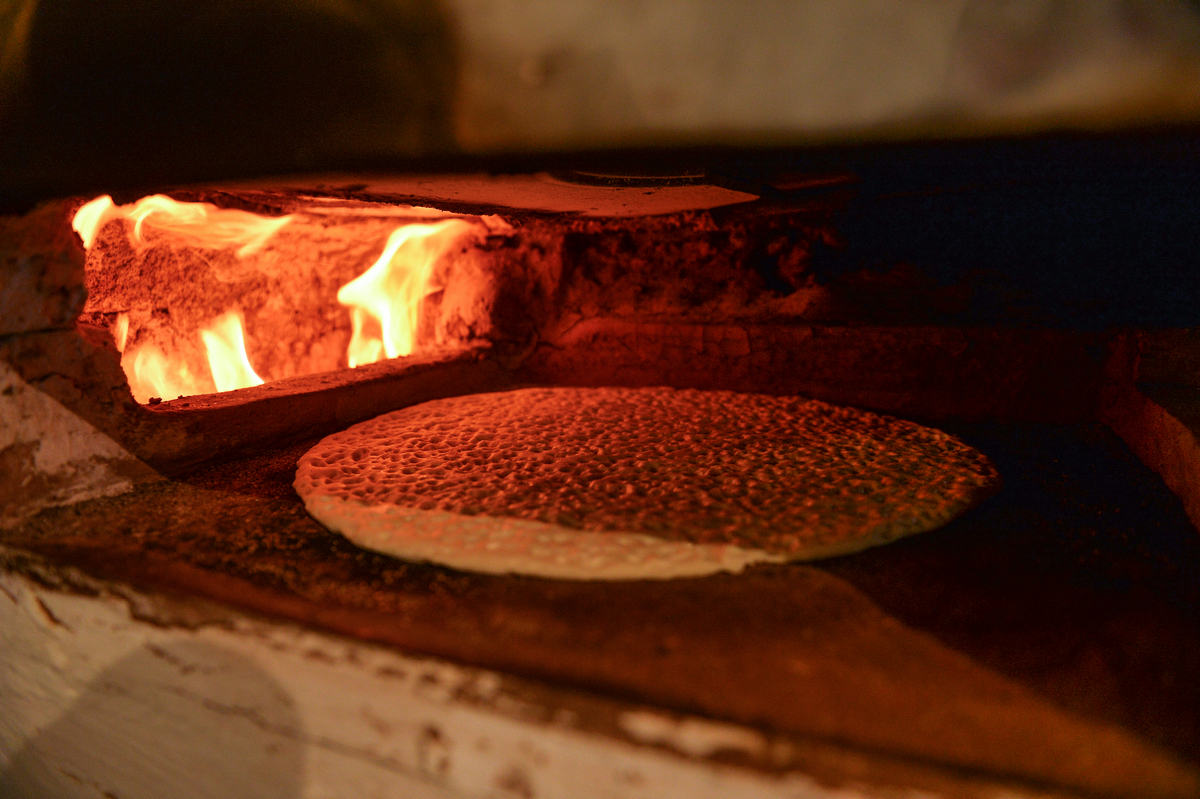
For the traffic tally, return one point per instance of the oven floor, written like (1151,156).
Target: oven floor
(1066,605)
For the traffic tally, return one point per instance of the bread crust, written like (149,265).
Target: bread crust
(627,483)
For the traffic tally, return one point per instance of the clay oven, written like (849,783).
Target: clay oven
(985,224)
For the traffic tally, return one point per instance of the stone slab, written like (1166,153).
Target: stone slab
(41,270)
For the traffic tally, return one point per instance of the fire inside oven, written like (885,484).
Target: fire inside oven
(201,299)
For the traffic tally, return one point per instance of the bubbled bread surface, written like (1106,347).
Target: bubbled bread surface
(792,477)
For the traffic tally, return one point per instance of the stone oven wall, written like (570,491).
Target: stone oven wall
(49,454)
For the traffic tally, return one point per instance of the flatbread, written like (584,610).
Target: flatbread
(616,483)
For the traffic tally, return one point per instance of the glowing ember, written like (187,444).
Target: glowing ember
(385,300)
(190,224)
(227,353)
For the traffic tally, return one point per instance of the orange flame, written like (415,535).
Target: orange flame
(120,331)
(193,224)
(385,300)
(227,353)
(153,373)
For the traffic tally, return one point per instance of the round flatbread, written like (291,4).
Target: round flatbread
(616,483)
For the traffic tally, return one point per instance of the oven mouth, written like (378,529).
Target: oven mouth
(202,298)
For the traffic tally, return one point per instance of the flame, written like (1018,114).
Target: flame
(120,331)
(227,353)
(385,300)
(201,225)
(91,217)
(154,373)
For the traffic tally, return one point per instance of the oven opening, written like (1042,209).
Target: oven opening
(201,299)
